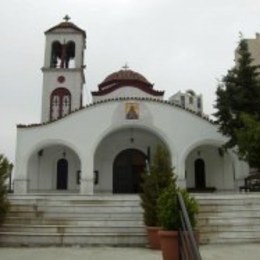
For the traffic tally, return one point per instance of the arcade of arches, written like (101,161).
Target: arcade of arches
(119,161)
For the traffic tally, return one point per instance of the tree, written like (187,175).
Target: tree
(237,93)
(248,139)
(154,182)
(5,169)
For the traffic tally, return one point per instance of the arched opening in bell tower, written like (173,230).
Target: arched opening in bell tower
(63,54)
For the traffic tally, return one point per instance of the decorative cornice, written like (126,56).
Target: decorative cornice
(44,69)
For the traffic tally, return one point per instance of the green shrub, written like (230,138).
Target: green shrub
(168,209)
(160,176)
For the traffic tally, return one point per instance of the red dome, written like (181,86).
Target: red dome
(123,78)
(123,75)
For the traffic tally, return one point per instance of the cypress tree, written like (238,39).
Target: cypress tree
(238,93)
(160,176)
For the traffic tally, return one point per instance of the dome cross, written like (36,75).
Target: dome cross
(125,67)
(66,18)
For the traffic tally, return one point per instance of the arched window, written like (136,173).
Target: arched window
(60,103)
(62,174)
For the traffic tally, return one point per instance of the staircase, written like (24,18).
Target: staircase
(229,218)
(116,220)
(65,220)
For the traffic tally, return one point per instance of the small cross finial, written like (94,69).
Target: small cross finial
(125,67)
(66,18)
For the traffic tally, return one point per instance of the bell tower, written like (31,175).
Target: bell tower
(63,70)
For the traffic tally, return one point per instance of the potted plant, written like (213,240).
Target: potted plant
(155,180)
(168,214)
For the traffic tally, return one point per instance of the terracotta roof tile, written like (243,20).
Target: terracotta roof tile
(66,25)
(125,75)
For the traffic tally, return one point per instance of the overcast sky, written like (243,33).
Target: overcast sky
(175,44)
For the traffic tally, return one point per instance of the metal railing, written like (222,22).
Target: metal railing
(189,249)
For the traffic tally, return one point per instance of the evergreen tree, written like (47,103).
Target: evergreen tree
(154,182)
(249,140)
(238,92)
(5,169)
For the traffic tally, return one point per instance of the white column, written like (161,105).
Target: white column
(87,176)
(20,177)
(179,170)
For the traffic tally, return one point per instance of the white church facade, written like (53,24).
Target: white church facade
(104,147)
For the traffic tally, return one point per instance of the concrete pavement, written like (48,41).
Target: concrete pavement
(211,252)
(231,252)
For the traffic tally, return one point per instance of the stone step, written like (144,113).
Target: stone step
(235,228)
(226,196)
(230,208)
(81,203)
(86,220)
(66,215)
(77,209)
(64,229)
(230,236)
(211,221)
(226,214)
(66,198)
(48,239)
(235,240)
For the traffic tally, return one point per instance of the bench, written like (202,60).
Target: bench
(252,183)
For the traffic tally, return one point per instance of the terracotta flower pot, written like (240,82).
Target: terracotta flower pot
(169,244)
(153,237)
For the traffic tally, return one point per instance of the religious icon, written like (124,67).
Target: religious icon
(132,110)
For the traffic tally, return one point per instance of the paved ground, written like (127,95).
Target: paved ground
(226,252)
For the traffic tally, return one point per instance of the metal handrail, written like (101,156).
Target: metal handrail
(188,247)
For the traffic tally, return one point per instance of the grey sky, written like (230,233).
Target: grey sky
(175,44)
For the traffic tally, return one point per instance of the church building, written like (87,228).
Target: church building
(105,146)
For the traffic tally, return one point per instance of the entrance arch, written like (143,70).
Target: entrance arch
(207,170)
(53,167)
(116,142)
(128,167)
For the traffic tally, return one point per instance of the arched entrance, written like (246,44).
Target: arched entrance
(54,167)
(207,170)
(62,174)
(200,179)
(127,169)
